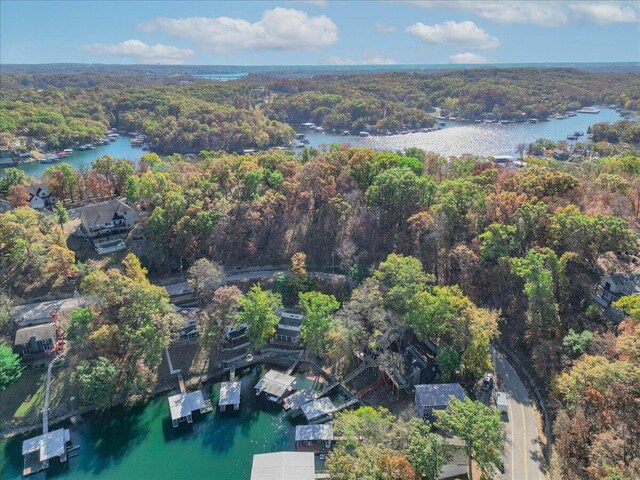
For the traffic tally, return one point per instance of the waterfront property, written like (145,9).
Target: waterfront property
(188,329)
(288,328)
(283,466)
(105,223)
(314,438)
(436,397)
(230,395)
(31,343)
(318,410)
(276,385)
(37,451)
(183,405)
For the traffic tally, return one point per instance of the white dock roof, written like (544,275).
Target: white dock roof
(283,466)
(230,393)
(50,444)
(275,383)
(321,432)
(317,408)
(183,404)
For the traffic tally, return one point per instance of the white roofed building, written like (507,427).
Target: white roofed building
(283,466)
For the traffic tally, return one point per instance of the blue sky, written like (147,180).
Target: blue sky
(319,32)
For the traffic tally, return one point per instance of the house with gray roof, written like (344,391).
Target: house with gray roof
(105,224)
(32,342)
(436,396)
(613,287)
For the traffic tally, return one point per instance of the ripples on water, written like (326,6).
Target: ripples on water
(477,139)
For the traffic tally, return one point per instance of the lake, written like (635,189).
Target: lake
(140,443)
(477,139)
(121,148)
(453,140)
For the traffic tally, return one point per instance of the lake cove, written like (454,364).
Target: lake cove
(140,443)
(476,139)
(453,140)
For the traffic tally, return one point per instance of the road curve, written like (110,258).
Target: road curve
(523,458)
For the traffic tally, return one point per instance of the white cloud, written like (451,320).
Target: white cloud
(367,60)
(141,52)
(548,13)
(467,58)
(384,28)
(278,29)
(466,34)
(605,13)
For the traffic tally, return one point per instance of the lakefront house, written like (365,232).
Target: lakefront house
(106,223)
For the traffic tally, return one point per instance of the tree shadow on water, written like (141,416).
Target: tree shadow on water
(112,434)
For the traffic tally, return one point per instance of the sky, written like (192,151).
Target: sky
(319,32)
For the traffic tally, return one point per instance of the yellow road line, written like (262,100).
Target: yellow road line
(511,428)
(524,443)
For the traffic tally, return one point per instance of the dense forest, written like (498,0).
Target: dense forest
(458,251)
(452,249)
(186,116)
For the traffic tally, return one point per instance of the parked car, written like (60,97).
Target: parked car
(487,382)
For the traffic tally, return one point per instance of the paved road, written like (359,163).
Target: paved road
(523,459)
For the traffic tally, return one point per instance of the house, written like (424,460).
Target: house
(236,335)
(276,385)
(283,466)
(36,341)
(37,451)
(188,329)
(40,197)
(106,220)
(436,396)
(612,287)
(288,328)
(314,438)
(560,154)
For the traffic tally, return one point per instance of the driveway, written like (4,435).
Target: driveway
(523,458)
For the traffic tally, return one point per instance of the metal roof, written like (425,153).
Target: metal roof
(321,432)
(50,444)
(230,393)
(283,466)
(300,398)
(317,408)
(439,394)
(183,404)
(275,383)
(40,332)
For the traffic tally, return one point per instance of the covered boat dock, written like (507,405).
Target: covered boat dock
(183,405)
(318,410)
(37,451)
(314,438)
(230,395)
(276,385)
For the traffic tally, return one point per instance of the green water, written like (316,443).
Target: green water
(140,442)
